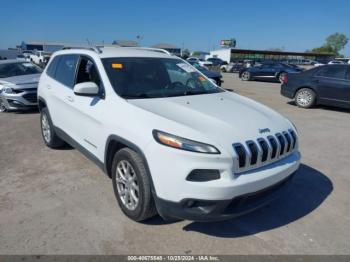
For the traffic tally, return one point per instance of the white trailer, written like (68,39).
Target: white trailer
(224,54)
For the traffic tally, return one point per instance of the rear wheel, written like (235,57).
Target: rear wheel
(305,98)
(245,76)
(49,135)
(132,185)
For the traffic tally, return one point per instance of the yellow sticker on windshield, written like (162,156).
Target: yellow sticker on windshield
(117,66)
(201,78)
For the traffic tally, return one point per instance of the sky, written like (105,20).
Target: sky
(195,24)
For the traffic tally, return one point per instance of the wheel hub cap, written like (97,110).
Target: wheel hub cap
(46,128)
(304,98)
(127,186)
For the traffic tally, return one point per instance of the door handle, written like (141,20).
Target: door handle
(70,99)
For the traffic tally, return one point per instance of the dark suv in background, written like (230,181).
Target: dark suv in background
(327,85)
(268,71)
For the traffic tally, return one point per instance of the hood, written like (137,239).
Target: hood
(21,82)
(225,118)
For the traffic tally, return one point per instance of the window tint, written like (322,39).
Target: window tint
(142,77)
(332,71)
(65,71)
(87,72)
(347,76)
(52,67)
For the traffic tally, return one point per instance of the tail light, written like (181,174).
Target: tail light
(285,79)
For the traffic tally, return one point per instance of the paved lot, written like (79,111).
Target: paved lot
(58,202)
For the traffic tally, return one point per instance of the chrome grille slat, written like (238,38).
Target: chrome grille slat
(256,153)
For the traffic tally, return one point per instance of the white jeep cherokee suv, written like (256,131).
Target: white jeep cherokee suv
(173,142)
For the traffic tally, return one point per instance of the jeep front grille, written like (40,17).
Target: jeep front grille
(264,150)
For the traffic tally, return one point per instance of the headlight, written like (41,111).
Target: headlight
(183,143)
(7,90)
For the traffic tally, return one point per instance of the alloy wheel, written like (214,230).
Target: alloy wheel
(2,106)
(304,98)
(245,76)
(127,185)
(45,125)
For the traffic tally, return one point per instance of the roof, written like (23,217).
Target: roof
(84,44)
(165,46)
(107,52)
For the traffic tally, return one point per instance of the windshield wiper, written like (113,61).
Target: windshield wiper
(138,96)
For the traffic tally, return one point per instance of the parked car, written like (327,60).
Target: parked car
(216,61)
(327,85)
(270,71)
(171,140)
(21,58)
(215,76)
(200,61)
(18,85)
(40,58)
(336,62)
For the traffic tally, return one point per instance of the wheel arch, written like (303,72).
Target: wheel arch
(115,143)
(41,103)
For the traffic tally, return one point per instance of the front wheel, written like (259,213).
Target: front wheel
(3,108)
(305,98)
(245,76)
(132,185)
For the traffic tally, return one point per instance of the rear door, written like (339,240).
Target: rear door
(60,90)
(331,84)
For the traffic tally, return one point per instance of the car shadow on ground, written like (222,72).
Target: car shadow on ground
(308,189)
(324,107)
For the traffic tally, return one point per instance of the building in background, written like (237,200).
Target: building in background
(170,48)
(125,43)
(235,55)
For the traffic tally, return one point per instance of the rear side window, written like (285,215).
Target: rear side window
(52,67)
(65,71)
(332,71)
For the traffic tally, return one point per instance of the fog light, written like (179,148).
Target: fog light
(203,175)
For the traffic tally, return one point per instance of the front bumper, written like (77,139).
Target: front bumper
(170,169)
(206,210)
(19,101)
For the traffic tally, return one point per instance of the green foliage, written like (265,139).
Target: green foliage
(334,43)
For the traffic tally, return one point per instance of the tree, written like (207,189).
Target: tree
(334,43)
(337,41)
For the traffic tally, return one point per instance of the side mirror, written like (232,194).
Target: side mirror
(86,89)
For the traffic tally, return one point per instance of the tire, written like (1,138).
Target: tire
(280,77)
(132,185)
(3,108)
(305,98)
(47,131)
(245,76)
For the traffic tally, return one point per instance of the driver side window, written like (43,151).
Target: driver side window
(87,72)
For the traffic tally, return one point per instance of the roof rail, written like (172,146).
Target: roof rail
(92,48)
(159,50)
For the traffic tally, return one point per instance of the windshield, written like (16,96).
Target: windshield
(18,69)
(139,77)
